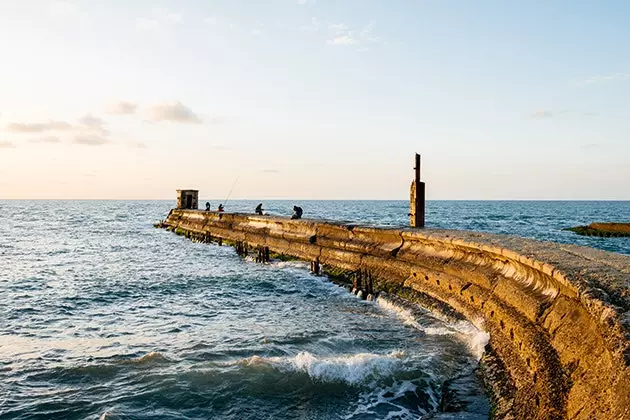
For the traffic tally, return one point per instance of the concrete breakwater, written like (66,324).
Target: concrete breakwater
(558,315)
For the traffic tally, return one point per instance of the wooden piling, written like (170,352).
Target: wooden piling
(417,198)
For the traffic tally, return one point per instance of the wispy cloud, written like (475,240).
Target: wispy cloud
(39,127)
(175,111)
(91,139)
(306,2)
(344,35)
(256,32)
(270,171)
(342,40)
(6,145)
(91,121)
(367,33)
(89,130)
(604,78)
(542,113)
(122,108)
(46,139)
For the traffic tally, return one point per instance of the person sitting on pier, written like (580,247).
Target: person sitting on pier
(259,210)
(297,212)
(220,210)
(207,206)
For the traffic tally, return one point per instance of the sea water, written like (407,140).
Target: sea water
(103,316)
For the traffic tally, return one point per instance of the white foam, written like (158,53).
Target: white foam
(351,369)
(372,402)
(474,338)
(290,264)
(403,314)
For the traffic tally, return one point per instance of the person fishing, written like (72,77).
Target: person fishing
(297,212)
(259,210)
(207,206)
(220,209)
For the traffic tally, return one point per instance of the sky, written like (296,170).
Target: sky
(314,99)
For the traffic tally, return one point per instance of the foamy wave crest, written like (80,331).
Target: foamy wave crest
(153,357)
(290,264)
(474,338)
(404,314)
(351,369)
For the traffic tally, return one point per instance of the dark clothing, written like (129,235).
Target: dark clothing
(207,206)
(220,210)
(297,212)
(259,209)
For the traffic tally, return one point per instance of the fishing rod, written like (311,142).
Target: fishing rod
(230,193)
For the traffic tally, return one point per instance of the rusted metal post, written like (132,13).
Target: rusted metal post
(417,199)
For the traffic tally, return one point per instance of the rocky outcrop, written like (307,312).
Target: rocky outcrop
(603,229)
(558,315)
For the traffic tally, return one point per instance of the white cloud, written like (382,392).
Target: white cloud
(338,28)
(344,35)
(367,33)
(90,139)
(306,1)
(542,113)
(91,121)
(211,20)
(39,127)
(342,40)
(6,145)
(175,111)
(256,32)
(604,78)
(123,108)
(89,125)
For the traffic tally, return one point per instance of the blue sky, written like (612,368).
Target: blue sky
(315,99)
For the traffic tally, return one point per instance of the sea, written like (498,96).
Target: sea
(102,316)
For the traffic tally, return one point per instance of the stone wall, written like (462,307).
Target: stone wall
(558,315)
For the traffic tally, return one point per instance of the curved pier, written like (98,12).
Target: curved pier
(558,315)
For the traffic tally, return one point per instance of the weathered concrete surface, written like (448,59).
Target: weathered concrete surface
(558,315)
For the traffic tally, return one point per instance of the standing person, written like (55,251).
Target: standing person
(297,212)
(259,210)
(220,210)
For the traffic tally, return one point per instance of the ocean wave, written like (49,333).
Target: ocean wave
(352,369)
(475,339)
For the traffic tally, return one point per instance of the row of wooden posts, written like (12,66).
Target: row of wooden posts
(362,280)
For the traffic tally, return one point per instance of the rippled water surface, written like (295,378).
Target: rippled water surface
(103,316)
